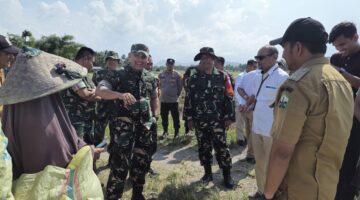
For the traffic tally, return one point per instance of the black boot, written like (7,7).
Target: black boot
(176,135)
(137,193)
(208,174)
(228,181)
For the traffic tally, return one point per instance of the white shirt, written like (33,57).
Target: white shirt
(247,84)
(238,99)
(263,114)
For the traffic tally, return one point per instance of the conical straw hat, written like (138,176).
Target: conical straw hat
(37,74)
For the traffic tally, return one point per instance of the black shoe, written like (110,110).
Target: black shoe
(137,197)
(250,160)
(137,193)
(153,172)
(228,181)
(242,143)
(207,178)
(257,195)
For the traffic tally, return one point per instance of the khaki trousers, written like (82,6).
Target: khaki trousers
(248,127)
(262,149)
(240,124)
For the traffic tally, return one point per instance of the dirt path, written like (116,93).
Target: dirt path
(179,169)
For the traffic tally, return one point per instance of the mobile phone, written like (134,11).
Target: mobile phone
(101,144)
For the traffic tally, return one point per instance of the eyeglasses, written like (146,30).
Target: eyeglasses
(262,57)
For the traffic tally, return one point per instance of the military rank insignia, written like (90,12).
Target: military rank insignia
(284,101)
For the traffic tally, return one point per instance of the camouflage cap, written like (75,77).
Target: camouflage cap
(113,55)
(207,51)
(5,45)
(140,48)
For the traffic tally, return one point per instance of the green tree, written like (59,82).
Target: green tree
(26,39)
(63,46)
(100,58)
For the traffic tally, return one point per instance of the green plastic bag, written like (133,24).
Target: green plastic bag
(77,181)
(5,169)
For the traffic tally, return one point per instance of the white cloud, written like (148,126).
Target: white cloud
(171,28)
(55,9)
(11,15)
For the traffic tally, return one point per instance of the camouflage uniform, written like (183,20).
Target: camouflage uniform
(188,73)
(154,136)
(208,105)
(81,112)
(134,128)
(104,110)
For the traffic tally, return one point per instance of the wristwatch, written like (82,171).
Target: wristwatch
(342,70)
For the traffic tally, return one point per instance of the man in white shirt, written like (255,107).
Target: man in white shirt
(243,116)
(266,84)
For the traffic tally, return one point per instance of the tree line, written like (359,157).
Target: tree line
(67,47)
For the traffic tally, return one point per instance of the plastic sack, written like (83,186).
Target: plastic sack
(5,169)
(77,181)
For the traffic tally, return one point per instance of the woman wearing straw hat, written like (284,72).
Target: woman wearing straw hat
(34,118)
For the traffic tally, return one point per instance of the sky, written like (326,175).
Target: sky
(236,29)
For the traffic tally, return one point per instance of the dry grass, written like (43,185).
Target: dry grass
(180,171)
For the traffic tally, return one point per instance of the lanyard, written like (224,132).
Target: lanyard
(262,82)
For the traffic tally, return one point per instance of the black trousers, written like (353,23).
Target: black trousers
(164,112)
(344,188)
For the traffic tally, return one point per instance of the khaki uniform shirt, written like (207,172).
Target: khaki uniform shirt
(170,86)
(313,111)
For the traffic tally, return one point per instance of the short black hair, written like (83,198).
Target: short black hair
(251,62)
(83,52)
(313,48)
(346,29)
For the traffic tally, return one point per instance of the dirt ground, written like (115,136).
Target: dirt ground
(179,173)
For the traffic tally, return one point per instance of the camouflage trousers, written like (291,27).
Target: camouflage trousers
(130,151)
(154,142)
(103,118)
(211,135)
(83,127)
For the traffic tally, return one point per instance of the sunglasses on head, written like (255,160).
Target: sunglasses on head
(261,57)
(140,55)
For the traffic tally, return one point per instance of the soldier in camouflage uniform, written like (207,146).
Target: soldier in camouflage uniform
(149,66)
(220,65)
(209,108)
(188,73)
(104,108)
(80,100)
(135,123)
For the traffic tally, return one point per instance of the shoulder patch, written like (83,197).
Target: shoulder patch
(296,76)
(284,101)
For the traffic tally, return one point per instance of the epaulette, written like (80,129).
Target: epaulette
(298,74)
